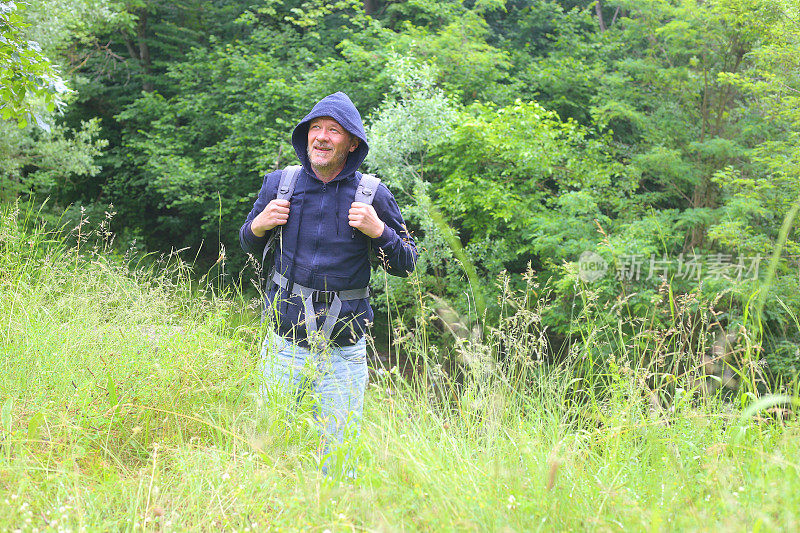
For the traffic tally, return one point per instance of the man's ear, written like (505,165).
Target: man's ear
(354,143)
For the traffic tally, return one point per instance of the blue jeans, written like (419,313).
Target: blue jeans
(336,378)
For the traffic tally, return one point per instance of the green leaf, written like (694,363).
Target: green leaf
(34,424)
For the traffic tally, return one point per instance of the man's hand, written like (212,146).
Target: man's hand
(275,214)
(364,218)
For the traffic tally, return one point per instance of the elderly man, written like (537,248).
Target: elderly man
(317,293)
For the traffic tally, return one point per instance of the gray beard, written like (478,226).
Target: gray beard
(333,164)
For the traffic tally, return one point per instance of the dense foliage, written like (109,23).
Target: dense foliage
(659,136)
(26,75)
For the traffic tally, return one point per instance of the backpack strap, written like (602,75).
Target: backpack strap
(289,177)
(367,189)
(316,334)
(365,192)
(288,180)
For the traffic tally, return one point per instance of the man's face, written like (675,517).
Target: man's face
(329,144)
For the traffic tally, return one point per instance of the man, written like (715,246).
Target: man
(317,292)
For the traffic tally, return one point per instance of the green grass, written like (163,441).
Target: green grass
(129,401)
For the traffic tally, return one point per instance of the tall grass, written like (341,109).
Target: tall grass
(129,401)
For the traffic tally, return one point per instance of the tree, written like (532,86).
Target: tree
(501,181)
(54,163)
(29,82)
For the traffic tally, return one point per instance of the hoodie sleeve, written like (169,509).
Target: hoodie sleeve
(269,190)
(395,246)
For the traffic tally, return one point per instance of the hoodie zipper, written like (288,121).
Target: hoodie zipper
(318,236)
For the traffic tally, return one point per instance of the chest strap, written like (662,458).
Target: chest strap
(334,300)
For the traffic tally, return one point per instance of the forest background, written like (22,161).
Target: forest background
(657,140)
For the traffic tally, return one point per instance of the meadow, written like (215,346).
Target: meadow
(129,398)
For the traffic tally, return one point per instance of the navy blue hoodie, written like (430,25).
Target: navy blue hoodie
(319,248)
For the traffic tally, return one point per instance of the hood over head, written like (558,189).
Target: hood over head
(339,107)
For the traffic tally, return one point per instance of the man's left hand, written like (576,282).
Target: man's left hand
(364,218)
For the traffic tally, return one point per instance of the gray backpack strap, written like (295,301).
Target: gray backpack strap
(288,180)
(365,192)
(289,177)
(367,189)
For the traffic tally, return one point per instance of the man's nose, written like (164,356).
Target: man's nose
(323,134)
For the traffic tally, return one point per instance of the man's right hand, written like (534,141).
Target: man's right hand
(275,214)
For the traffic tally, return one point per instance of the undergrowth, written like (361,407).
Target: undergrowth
(129,402)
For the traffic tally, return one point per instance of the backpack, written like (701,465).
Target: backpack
(365,193)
